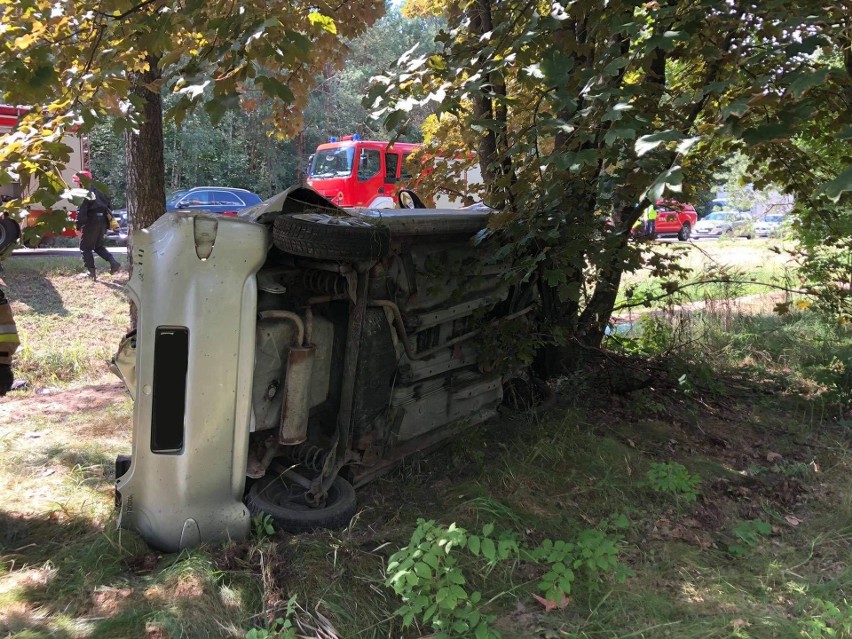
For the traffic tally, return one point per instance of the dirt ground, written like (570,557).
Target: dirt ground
(61,402)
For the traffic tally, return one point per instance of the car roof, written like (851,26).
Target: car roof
(216,188)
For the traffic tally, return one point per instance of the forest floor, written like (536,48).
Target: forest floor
(724,486)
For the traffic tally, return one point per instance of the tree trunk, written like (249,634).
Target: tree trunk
(479,14)
(143,158)
(146,179)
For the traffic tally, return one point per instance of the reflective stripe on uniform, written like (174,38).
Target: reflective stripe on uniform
(9,338)
(7,328)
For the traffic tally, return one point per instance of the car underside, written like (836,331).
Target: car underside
(298,351)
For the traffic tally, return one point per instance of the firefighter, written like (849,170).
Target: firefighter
(92,225)
(8,343)
(650,221)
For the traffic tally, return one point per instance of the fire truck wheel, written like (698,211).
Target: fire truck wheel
(286,504)
(9,232)
(324,236)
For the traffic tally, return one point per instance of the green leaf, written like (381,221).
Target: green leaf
(807,80)
(423,571)
(615,66)
(650,142)
(621,133)
(672,179)
(395,120)
(487,529)
(767,132)
(489,551)
(838,186)
(473,544)
(275,88)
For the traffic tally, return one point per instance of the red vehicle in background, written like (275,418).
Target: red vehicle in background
(355,173)
(673,219)
(78,161)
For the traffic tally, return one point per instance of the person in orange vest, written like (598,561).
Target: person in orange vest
(8,344)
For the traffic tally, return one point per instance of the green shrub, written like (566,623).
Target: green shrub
(674,479)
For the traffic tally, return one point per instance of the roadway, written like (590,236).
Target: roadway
(41,252)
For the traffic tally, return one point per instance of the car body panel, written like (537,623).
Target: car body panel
(175,499)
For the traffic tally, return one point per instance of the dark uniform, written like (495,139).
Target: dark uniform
(8,344)
(92,221)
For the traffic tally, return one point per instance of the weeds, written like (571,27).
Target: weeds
(674,479)
(430,578)
(749,534)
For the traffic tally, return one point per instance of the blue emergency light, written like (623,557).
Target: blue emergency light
(332,139)
(355,136)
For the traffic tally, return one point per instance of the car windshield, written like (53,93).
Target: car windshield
(774,219)
(719,217)
(333,163)
(175,197)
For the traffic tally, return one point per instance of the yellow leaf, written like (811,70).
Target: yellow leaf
(325,22)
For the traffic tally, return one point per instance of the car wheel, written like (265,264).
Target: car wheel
(286,504)
(685,232)
(9,232)
(324,236)
(408,199)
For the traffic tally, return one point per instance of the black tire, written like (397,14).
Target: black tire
(685,232)
(286,504)
(324,236)
(10,232)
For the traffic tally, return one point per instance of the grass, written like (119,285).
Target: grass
(69,327)
(761,418)
(755,267)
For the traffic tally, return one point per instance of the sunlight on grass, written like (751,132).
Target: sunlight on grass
(69,327)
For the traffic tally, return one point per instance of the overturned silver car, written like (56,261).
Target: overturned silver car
(288,355)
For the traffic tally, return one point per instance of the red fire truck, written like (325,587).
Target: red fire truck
(78,161)
(352,172)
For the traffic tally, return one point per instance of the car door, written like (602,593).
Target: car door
(667,220)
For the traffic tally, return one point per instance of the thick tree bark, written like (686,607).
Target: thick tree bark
(144,161)
(479,14)
(146,180)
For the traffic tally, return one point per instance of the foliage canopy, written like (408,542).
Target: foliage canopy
(583,113)
(75,63)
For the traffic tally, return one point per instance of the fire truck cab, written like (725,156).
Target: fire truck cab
(352,172)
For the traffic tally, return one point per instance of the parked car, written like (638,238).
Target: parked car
(724,223)
(213,199)
(769,225)
(675,219)
(312,349)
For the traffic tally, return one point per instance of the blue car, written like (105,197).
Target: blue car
(216,199)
